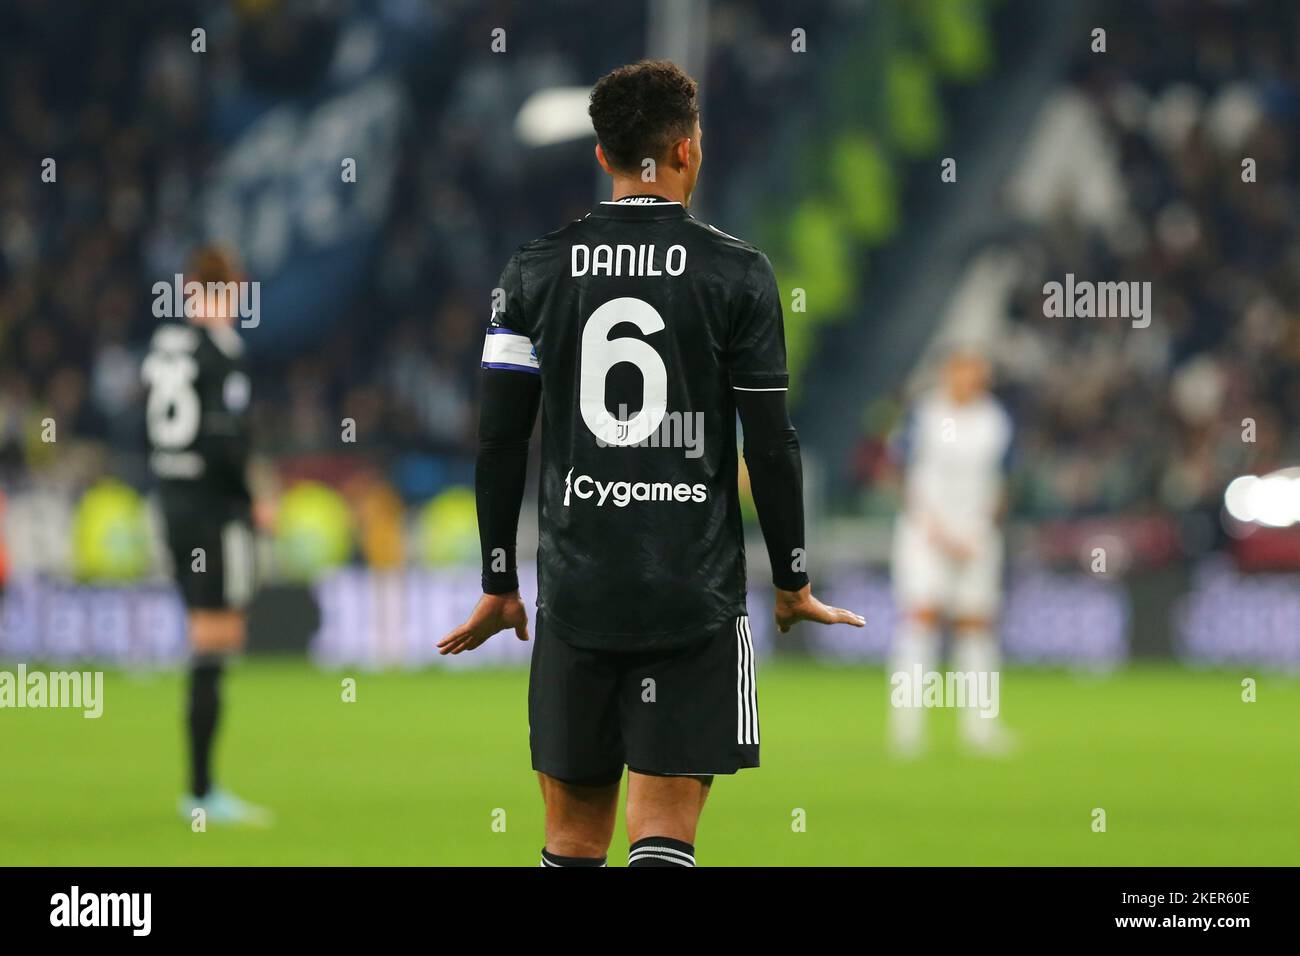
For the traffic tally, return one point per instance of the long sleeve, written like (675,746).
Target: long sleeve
(776,478)
(511,393)
(759,380)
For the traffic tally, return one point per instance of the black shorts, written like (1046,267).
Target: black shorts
(686,711)
(212,556)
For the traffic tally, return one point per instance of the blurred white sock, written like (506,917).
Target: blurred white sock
(915,645)
(977,651)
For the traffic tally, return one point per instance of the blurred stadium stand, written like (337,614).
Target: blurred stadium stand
(1122,166)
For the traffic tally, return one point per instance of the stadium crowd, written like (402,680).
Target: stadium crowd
(1116,416)
(1156,416)
(1148,418)
(133,140)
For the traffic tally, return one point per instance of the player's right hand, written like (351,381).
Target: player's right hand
(795,606)
(492,613)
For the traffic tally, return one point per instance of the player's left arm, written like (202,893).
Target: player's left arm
(511,394)
(229,427)
(757,368)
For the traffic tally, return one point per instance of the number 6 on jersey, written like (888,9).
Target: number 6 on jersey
(600,353)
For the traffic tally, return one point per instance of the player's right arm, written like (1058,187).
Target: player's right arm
(759,380)
(507,412)
(511,394)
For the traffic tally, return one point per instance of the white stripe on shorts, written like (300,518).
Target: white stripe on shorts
(746,693)
(236,564)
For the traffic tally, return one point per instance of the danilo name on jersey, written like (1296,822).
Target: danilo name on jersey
(624,260)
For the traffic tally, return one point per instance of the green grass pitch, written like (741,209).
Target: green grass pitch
(417,770)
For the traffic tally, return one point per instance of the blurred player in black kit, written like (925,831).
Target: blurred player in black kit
(197,423)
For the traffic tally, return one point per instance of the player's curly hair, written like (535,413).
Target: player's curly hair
(641,109)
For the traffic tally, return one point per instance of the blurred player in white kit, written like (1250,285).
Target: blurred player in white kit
(948,546)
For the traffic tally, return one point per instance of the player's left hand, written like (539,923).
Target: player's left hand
(492,613)
(795,606)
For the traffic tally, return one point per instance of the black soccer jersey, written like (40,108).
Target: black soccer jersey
(196,415)
(641,322)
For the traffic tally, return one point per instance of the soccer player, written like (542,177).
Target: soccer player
(947,555)
(640,331)
(196,416)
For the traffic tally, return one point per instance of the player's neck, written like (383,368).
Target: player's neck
(625,186)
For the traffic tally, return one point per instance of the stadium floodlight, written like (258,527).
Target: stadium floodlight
(554,115)
(1272,500)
